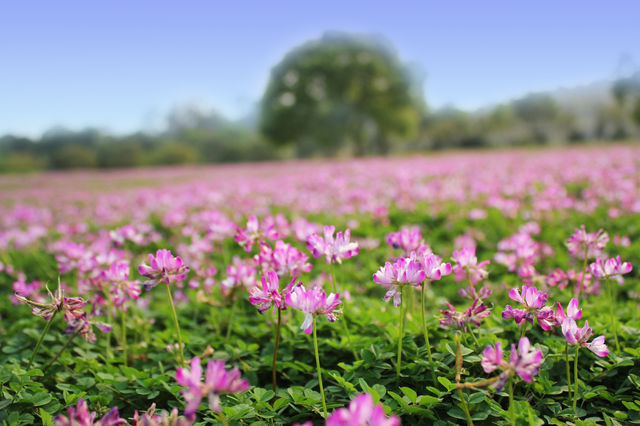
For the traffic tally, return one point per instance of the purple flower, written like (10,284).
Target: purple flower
(403,271)
(334,249)
(312,302)
(361,412)
(284,259)
(408,239)
(121,287)
(474,314)
(164,267)
(433,267)
(150,418)
(533,301)
(524,362)
(582,241)
(492,357)
(217,381)
(254,232)
(612,268)
(467,266)
(572,312)
(241,272)
(269,294)
(579,336)
(80,416)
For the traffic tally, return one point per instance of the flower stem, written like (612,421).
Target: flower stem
(344,320)
(512,412)
(275,351)
(124,334)
(524,329)
(566,359)
(175,321)
(44,333)
(575,379)
(401,334)
(223,420)
(612,317)
(465,408)
(426,336)
(584,270)
(62,349)
(231,314)
(315,347)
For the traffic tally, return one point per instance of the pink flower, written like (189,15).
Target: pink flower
(533,301)
(312,302)
(254,232)
(524,362)
(610,268)
(474,314)
(572,312)
(121,287)
(492,357)
(433,267)
(592,243)
(217,381)
(408,239)
(242,272)
(80,416)
(579,336)
(403,271)
(164,267)
(361,412)
(334,249)
(150,418)
(269,293)
(284,259)
(467,266)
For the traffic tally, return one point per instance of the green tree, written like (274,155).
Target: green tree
(340,89)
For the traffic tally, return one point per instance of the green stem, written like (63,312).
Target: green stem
(475,339)
(465,408)
(401,334)
(524,329)
(512,412)
(175,321)
(231,314)
(109,321)
(62,349)
(426,336)
(44,333)
(344,320)
(223,420)
(612,317)
(275,351)
(315,347)
(124,334)
(566,359)
(575,379)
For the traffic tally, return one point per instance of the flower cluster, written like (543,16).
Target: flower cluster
(362,412)
(163,267)
(524,362)
(467,266)
(80,415)
(533,302)
(269,294)
(284,259)
(333,249)
(312,302)
(408,239)
(253,233)
(217,381)
(612,268)
(589,244)
(474,314)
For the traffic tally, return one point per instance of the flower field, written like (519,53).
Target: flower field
(459,288)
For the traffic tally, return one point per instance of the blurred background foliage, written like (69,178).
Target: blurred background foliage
(340,95)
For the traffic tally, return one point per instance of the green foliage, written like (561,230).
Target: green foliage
(340,89)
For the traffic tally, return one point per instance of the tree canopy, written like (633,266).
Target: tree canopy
(340,89)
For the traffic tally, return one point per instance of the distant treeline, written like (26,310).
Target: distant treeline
(339,95)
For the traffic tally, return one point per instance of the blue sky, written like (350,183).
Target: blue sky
(121,65)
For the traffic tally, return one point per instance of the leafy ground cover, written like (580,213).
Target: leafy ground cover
(405,310)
